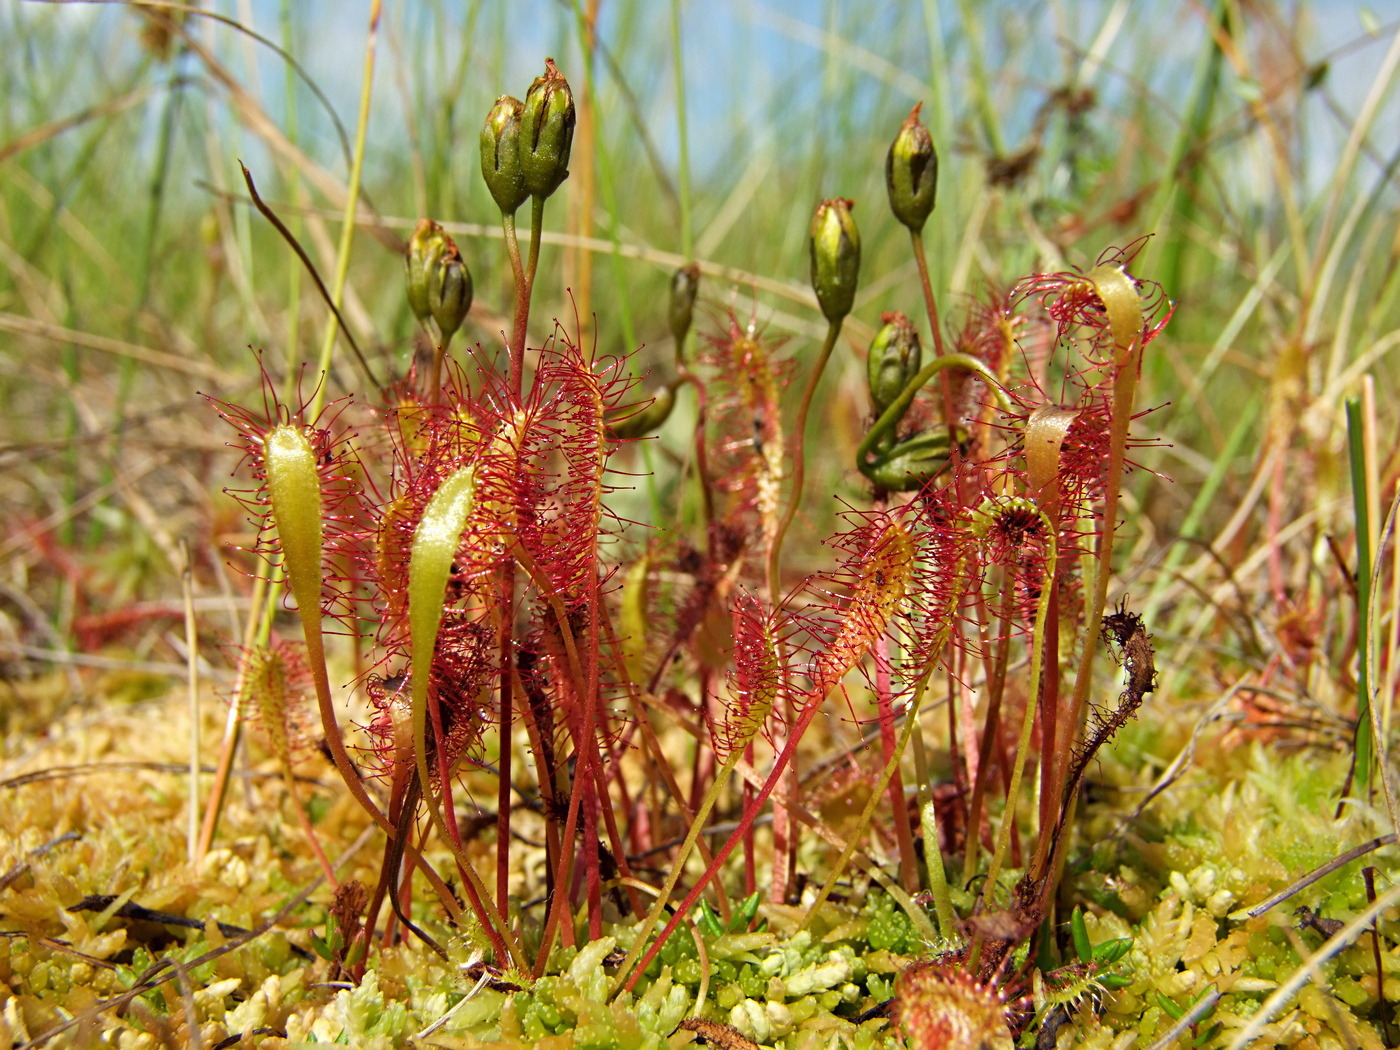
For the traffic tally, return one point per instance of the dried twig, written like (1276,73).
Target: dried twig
(1318,873)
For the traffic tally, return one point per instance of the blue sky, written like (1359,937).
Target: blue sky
(743,60)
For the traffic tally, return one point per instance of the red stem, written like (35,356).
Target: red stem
(1048,690)
(591,871)
(809,711)
(931,305)
(702,470)
(586,748)
(505,654)
(908,862)
(750,864)
(991,734)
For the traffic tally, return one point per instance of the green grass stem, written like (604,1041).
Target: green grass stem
(352,202)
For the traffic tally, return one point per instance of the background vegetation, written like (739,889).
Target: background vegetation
(1253,140)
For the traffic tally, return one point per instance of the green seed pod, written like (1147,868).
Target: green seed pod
(500,154)
(423,251)
(895,358)
(546,132)
(911,173)
(835,257)
(438,281)
(639,424)
(452,298)
(685,283)
(911,463)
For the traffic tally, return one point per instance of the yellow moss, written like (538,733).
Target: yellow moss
(1227,955)
(1201,939)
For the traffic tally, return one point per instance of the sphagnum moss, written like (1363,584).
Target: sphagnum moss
(1176,882)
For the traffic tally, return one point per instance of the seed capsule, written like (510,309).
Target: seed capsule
(835,257)
(546,132)
(911,172)
(909,465)
(640,424)
(500,154)
(895,358)
(438,283)
(685,283)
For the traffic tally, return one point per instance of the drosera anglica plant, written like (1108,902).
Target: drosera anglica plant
(471,528)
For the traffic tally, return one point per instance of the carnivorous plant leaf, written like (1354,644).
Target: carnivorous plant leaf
(294,493)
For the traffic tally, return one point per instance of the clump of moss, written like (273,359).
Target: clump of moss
(1177,879)
(1241,826)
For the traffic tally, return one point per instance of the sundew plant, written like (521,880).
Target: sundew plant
(815,682)
(459,523)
